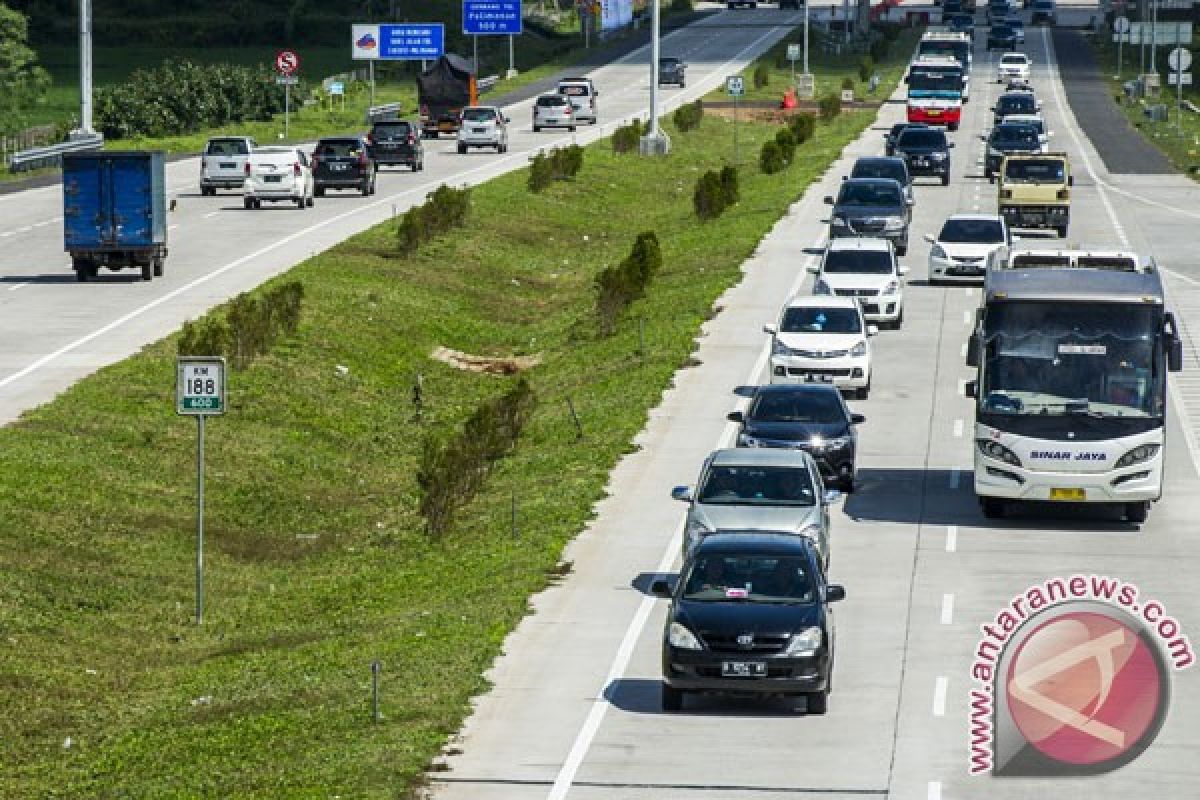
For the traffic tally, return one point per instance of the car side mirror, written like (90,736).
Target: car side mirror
(771,329)
(902,271)
(814,269)
(857,419)
(735,416)
(970,388)
(910,201)
(682,493)
(872,330)
(949,145)
(831,496)
(828,200)
(835,593)
(508,119)
(973,350)
(929,237)
(660,588)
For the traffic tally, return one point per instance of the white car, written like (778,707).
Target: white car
(1013,66)
(822,340)
(866,270)
(278,175)
(483,126)
(582,93)
(223,165)
(968,246)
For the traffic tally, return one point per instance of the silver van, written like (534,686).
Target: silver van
(223,163)
(553,111)
(582,93)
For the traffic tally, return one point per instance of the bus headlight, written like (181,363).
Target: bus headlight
(1137,455)
(997,451)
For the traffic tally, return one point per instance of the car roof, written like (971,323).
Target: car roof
(1021,56)
(552,96)
(820,301)
(796,388)
(1066,284)
(755,541)
(859,243)
(894,160)
(871,181)
(760,457)
(278,149)
(971,217)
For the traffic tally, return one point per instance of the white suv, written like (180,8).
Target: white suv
(223,164)
(822,340)
(582,93)
(968,247)
(1013,66)
(483,126)
(278,174)
(866,270)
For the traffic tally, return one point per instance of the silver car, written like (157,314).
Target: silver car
(483,126)
(582,93)
(753,489)
(553,111)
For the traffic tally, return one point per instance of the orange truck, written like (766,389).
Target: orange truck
(443,91)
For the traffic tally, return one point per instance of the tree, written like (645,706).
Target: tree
(22,81)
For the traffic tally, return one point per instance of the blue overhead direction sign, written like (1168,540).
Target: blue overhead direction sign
(491,17)
(400,42)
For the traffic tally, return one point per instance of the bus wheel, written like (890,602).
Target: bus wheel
(992,507)
(1136,512)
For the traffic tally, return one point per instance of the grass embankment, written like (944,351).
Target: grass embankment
(316,562)
(1179,137)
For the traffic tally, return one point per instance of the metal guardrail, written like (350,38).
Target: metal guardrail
(51,155)
(384,112)
(484,85)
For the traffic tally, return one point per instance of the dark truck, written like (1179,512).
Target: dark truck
(115,211)
(443,91)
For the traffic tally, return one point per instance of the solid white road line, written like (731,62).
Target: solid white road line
(958,428)
(951,538)
(939,696)
(935,790)
(18,286)
(947,609)
(966,318)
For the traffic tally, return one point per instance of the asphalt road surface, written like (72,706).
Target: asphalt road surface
(575,706)
(53,330)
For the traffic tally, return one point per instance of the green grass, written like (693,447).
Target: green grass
(1179,137)
(316,561)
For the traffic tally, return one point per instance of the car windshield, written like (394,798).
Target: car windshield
(972,231)
(227,147)
(757,486)
(816,408)
(1003,30)
(1072,358)
(801,319)
(669,63)
(479,115)
(747,577)
(869,194)
(922,137)
(1016,104)
(392,130)
(1034,170)
(1016,136)
(551,101)
(880,169)
(1012,60)
(869,262)
(338,147)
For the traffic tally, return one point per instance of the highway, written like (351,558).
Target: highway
(575,709)
(54,331)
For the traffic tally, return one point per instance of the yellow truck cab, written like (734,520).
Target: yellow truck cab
(1034,191)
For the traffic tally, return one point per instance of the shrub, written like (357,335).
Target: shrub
(556,165)
(709,198)
(687,117)
(729,185)
(626,138)
(787,144)
(762,76)
(771,160)
(866,66)
(207,336)
(801,126)
(619,285)
(250,326)
(848,83)
(879,50)
(444,209)
(830,106)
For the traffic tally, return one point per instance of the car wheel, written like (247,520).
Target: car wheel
(148,269)
(248,203)
(862,392)
(319,191)
(672,698)
(682,85)
(1137,512)
(365,188)
(902,249)
(817,703)
(846,485)
(992,507)
(300,203)
(898,323)
(462,149)
(537,128)
(158,266)
(1062,231)
(953,126)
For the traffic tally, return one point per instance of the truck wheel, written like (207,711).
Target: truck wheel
(148,269)
(158,266)
(1062,231)
(946,180)
(462,149)
(992,507)
(83,269)
(672,698)
(1136,512)
(319,191)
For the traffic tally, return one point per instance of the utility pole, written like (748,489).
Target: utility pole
(655,142)
(85,66)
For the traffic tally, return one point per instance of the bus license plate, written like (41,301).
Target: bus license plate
(743,669)
(1068,494)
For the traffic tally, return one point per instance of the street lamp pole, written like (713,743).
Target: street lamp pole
(85,65)
(655,142)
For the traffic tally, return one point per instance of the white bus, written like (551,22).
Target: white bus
(1071,391)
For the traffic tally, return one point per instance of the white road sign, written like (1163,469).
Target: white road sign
(793,52)
(1179,59)
(200,386)
(1121,24)
(1173,78)
(735,85)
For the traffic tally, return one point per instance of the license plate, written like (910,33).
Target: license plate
(228,166)
(816,378)
(921,162)
(273,178)
(1076,495)
(933,112)
(743,669)
(340,167)
(479,130)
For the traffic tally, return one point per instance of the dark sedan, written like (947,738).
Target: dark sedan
(750,613)
(926,151)
(343,162)
(1006,138)
(871,207)
(672,70)
(1002,37)
(885,167)
(1018,102)
(889,138)
(811,417)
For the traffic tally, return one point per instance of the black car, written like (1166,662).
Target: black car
(811,417)
(926,151)
(397,143)
(1009,137)
(671,70)
(1044,13)
(1018,102)
(950,7)
(871,207)
(889,138)
(794,4)
(885,167)
(343,162)
(750,613)
(1002,37)
(960,23)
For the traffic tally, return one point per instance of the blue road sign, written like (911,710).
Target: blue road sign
(484,17)
(410,42)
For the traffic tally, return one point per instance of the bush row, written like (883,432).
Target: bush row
(559,164)
(626,138)
(618,286)
(250,326)
(688,116)
(715,191)
(452,470)
(830,105)
(443,210)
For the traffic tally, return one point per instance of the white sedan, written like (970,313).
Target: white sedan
(967,247)
(1013,66)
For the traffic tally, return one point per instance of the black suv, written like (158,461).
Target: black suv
(889,138)
(810,417)
(1018,102)
(926,151)
(750,613)
(343,162)
(1002,37)
(1008,137)
(671,70)
(397,143)
(871,207)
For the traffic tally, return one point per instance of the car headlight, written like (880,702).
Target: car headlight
(1138,454)
(747,441)
(891,288)
(859,349)
(836,443)
(894,223)
(679,636)
(937,251)
(821,287)
(994,152)
(778,348)
(997,451)
(939,156)
(805,643)
(838,222)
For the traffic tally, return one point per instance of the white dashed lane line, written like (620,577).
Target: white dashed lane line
(951,538)
(947,616)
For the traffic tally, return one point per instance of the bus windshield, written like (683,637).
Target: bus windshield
(959,50)
(935,82)
(1062,359)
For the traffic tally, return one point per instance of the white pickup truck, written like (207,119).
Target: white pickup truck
(223,164)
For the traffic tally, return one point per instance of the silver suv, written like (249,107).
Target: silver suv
(483,126)
(582,93)
(553,111)
(223,163)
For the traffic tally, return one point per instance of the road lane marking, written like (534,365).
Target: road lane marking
(26,229)
(935,791)
(947,609)
(966,318)
(18,286)
(958,428)
(212,214)
(939,696)
(951,538)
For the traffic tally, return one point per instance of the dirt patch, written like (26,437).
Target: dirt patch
(492,365)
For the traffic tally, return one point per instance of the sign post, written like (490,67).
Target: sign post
(793,55)
(1179,60)
(200,393)
(287,62)
(1121,27)
(736,86)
